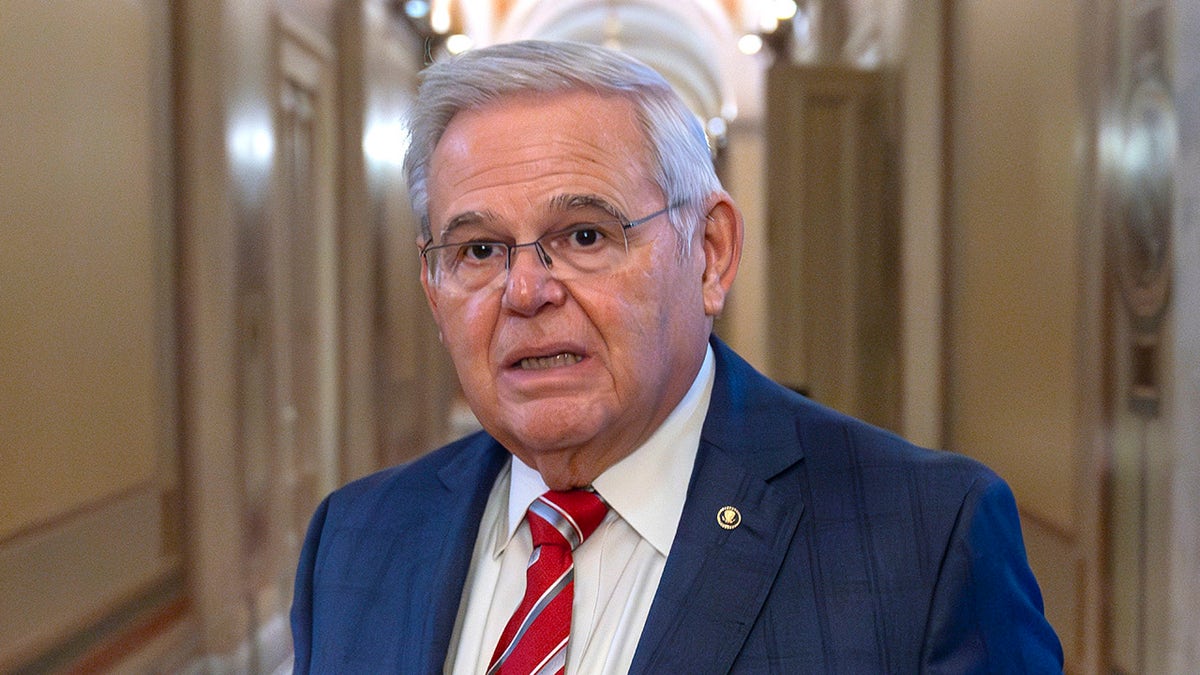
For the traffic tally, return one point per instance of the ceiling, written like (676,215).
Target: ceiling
(693,43)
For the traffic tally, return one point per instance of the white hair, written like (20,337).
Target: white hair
(681,162)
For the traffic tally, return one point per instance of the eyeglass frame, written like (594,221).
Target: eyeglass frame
(539,249)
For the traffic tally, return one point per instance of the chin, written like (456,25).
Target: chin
(543,437)
(566,419)
(550,441)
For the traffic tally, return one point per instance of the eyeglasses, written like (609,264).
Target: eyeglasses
(575,251)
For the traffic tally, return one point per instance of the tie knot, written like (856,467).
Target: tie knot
(567,517)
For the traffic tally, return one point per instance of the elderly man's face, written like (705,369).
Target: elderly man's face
(569,375)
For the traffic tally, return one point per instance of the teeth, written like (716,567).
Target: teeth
(544,362)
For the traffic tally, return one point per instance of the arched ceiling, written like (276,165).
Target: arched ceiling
(693,43)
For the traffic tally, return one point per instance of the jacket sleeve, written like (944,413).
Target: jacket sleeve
(302,598)
(987,614)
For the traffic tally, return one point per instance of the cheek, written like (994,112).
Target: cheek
(466,332)
(626,311)
(672,292)
(641,315)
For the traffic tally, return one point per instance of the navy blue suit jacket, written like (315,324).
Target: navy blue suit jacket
(857,553)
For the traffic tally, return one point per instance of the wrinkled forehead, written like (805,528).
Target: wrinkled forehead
(586,111)
(531,150)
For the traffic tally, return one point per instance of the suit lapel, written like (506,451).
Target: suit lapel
(469,478)
(716,579)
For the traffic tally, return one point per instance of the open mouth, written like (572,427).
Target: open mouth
(547,362)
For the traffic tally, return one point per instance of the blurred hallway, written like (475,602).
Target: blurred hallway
(976,225)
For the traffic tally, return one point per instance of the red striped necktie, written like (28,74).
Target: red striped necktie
(535,639)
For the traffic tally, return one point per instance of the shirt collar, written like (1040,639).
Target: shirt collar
(649,486)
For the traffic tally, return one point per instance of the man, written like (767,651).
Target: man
(576,246)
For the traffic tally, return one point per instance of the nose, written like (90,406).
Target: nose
(530,285)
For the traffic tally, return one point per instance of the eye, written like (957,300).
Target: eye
(591,235)
(479,251)
(584,236)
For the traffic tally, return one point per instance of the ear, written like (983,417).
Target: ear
(723,230)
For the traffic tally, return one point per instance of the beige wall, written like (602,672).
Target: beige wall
(1183,533)
(1060,376)
(88,492)
(78,347)
(1014,279)
(1013,293)
(923,172)
(211,316)
(742,324)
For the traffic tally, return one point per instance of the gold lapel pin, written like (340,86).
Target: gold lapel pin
(729,517)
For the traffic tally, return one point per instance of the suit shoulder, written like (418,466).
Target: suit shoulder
(859,441)
(768,425)
(412,481)
(847,454)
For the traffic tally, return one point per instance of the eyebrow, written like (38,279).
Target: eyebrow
(466,218)
(563,202)
(570,202)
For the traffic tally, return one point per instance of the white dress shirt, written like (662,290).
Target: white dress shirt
(617,569)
